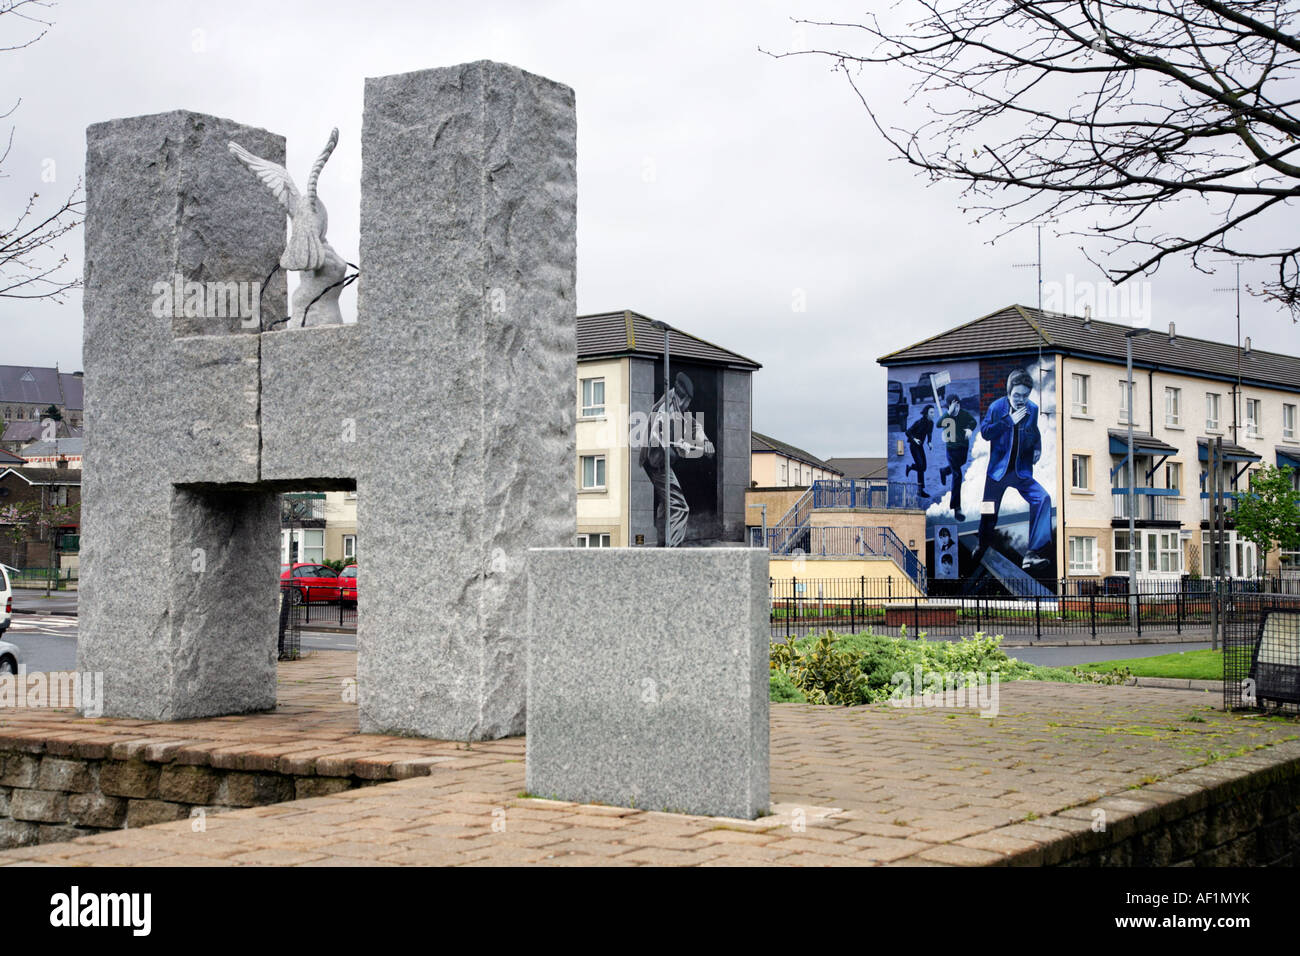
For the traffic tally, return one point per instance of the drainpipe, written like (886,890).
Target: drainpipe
(1063,569)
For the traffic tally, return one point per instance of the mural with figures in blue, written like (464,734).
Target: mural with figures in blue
(976,441)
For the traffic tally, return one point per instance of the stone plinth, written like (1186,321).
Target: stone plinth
(648,678)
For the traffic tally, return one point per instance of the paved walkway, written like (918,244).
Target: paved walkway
(850,786)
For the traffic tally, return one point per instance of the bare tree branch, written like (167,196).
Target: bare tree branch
(29,266)
(1169,126)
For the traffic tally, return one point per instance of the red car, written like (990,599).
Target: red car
(312,582)
(348,578)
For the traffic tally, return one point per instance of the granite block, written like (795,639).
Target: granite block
(648,678)
(168,400)
(467,312)
(313,425)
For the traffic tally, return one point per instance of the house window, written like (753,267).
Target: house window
(1288,421)
(1252,418)
(1236,556)
(1123,402)
(1212,411)
(302,546)
(1122,554)
(593,472)
(593,397)
(1170,555)
(1079,387)
(593,541)
(350,546)
(1173,406)
(1083,555)
(1081,472)
(1174,475)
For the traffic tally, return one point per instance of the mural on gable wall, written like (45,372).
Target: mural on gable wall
(976,442)
(695,466)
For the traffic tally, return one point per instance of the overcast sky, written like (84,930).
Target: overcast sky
(716,185)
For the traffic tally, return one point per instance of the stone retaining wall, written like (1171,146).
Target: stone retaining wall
(1211,816)
(45,798)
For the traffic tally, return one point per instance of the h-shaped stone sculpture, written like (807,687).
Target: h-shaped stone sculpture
(448,406)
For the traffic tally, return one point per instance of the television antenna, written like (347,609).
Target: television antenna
(1236,398)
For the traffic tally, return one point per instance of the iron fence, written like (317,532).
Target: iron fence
(873,493)
(1261,652)
(804,606)
(329,606)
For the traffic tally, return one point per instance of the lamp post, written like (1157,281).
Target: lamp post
(1129,336)
(665,425)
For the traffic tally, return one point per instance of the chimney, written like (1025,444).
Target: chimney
(1248,345)
(1087,318)
(1172,337)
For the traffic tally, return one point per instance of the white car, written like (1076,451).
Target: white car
(10,658)
(6,600)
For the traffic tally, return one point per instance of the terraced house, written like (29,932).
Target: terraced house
(1047,497)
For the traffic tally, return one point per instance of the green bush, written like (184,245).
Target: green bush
(781,689)
(848,669)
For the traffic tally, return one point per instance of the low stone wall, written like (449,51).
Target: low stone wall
(1219,815)
(46,798)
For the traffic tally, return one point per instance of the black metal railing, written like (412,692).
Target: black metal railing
(1079,609)
(322,606)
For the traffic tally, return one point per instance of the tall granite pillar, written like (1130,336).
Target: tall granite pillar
(178,586)
(467,313)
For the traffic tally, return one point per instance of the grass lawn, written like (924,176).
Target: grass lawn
(1192,665)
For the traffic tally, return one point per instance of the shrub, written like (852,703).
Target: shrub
(781,689)
(850,669)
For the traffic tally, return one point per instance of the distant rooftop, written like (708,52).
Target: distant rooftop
(31,431)
(1020,329)
(861,467)
(33,385)
(763,444)
(45,476)
(616,334)
(48,449)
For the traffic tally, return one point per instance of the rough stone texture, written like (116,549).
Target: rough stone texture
(14,834)
(70,775)
(181,784)
(223,619)
(96,810)
(254,789)
(170,401)
(309,387)
(39,806)
(129,779)
(145,813)
(20,770)
(648,678)
(467,310)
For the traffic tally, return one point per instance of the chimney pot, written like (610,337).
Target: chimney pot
(1172,336)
